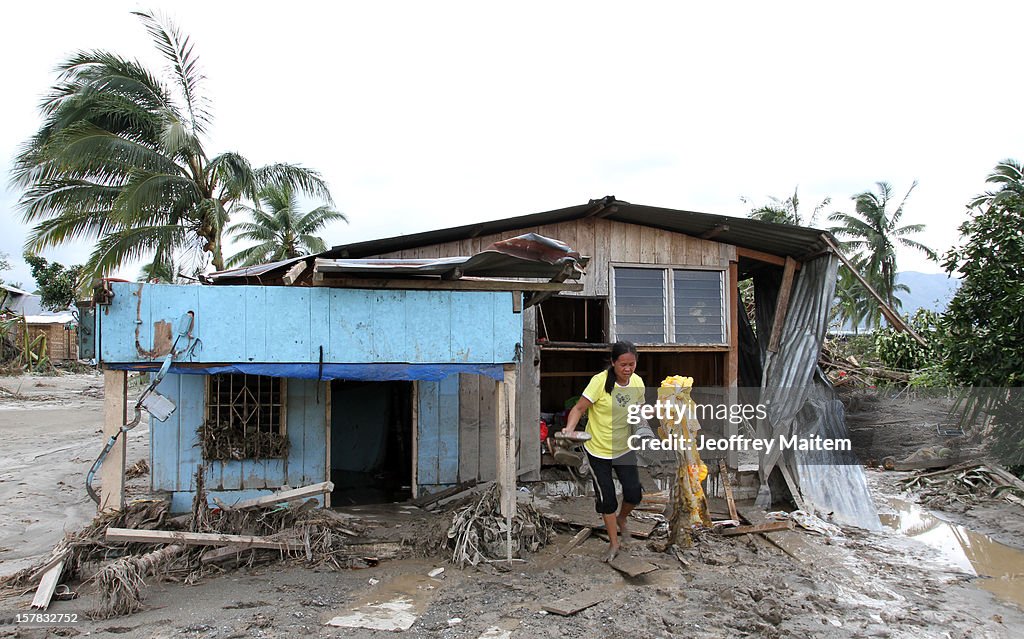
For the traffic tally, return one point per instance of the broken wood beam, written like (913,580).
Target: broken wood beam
(47,586)
(771,526)
(284,496)
(782,304)
(431,498)
(198,539)
(292,275)
(723,471)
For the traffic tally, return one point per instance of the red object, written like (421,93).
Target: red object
(543,430)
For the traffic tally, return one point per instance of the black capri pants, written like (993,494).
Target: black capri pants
(604,487)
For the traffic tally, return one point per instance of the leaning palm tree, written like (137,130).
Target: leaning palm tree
(874,231)
(786,211)
(281,232)
(120,158)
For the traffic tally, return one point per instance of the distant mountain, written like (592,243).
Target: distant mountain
(927,290)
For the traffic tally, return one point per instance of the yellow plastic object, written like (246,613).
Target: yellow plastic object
(679,420)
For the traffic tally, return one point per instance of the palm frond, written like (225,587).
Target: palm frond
(178,49)
(298,178)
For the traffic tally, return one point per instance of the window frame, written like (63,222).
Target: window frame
(282,383)
(668,302)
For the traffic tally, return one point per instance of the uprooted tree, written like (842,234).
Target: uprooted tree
(983,327)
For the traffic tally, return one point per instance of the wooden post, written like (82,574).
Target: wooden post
(506,437)
(782,304)
(115,415)
(732,367)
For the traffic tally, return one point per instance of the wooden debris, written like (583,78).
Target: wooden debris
(427,500)
(631,566)
(927,464)
(771,526)
(578,539)
(283,496)
(198,539)
(724,474)
(572,605)
(121,582)
(47,585)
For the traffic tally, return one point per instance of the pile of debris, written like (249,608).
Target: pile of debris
(967,484)
(848,370)
(120,550)
(480,533)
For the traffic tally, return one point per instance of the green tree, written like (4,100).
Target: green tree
(5,265)
(162,273)
(281,231)
(983,327)
(873,232)
(121,158)
(58,284)
(786,211)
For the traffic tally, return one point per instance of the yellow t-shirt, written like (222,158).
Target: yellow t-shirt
(606,419)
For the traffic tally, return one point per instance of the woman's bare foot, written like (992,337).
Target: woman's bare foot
(624,536)
(612,552)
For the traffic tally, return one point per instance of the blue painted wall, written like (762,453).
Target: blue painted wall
(175,452)
(437,445)
(280,324)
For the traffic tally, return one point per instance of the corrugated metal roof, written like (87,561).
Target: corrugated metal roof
(783,240)
(530,255)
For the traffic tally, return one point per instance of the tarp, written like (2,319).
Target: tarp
(355,372)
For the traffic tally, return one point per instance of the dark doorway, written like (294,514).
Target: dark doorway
(371,442)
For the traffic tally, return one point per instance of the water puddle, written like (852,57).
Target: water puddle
(1001,567)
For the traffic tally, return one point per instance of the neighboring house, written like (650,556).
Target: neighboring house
(664,279)
(58,328)
(19,302)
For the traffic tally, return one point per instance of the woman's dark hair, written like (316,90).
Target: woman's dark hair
(618,349)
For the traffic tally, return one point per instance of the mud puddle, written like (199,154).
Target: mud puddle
(1000,567)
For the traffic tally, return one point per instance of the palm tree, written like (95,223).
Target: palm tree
(281,231)
(874,232)
(786,211)
(120,158)
(1009,175)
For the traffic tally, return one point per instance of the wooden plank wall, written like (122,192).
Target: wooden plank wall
(175,451)
(438,436)
(604,241)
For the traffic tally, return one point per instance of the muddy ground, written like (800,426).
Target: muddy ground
(863,585)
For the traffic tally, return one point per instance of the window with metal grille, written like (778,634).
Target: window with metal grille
(244,417)
(669,306)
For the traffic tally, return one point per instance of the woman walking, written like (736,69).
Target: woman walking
(606,402)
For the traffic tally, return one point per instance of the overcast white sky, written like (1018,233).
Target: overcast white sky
(426,115)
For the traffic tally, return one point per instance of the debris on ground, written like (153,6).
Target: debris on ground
(120,550)
(965,484)
(479,532)
(138,469)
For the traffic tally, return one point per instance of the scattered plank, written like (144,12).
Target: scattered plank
(927,464)
(792,543)
(578,539)
(724,474)
(631,566)
(284,496)
(47,585)
(572,605)
(431,498)
(198,539)
(767,527)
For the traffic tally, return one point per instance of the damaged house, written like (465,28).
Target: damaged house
(396,367)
